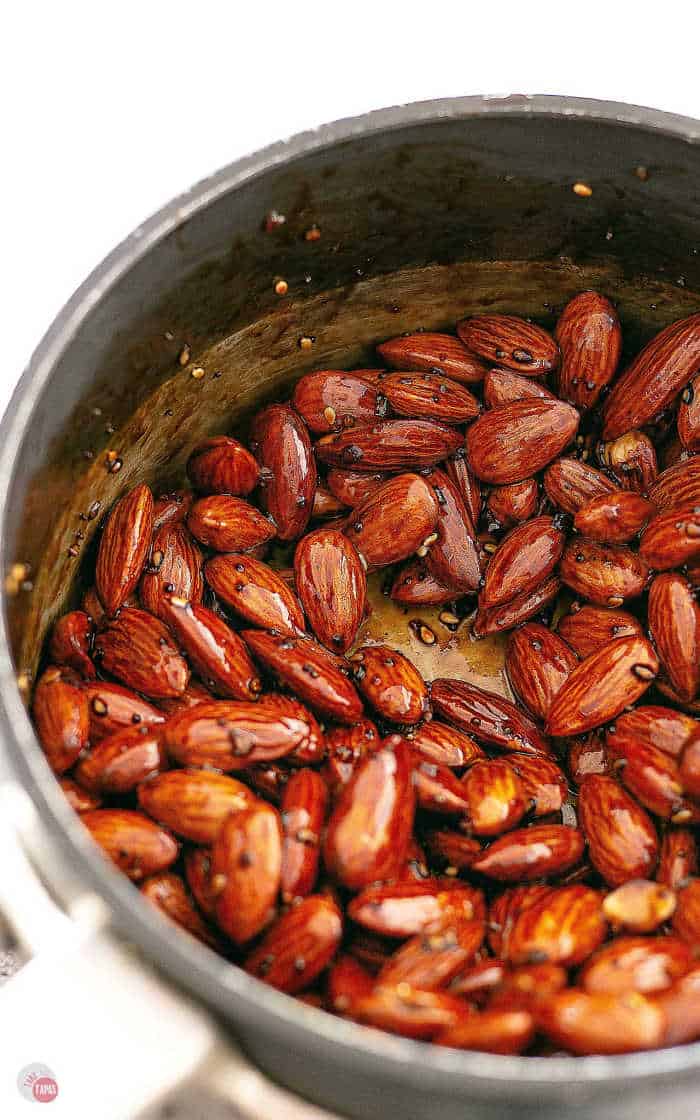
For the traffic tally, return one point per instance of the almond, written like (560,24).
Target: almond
(329,400)
(353,487)
(590,341)
(510,342)
(636,964)
(416,586)
(525,986)
(345,747)
(503,387)
(438,742)
(671,539)
(493,620)
(537,663)
(654,378)
(137,649)
(639,906)
(494,795)
(79,799)
(531,853)
(632,460)
(601,1023)
(622,840)
(304,804)
(438,789)
(222,465)
(452,851)
(468,485)
(494,1031)
(394,521)
(380,794)
(61,717)
(524,559)
(325,505)
(118,763)
(515,441)
(602,686)
(123,548)
(168,893)
(198,875)
(431,959)
(299,946)
(168,508)
(228,524)
(348,982)
(588,754)
(607,574)
(586,629)
(113,707)
(689,416)
(689,771)
(428,396)
(613,518)
(674,625)
(174,567)
(686,919)
(245,870)
(543,783)
(680,1007)
(136,845)
(309,671)
(678,485)
(487,716)
(281,444)
(436,353)
(649,774)
(505,909)
(478,980)
(214,650)
(655,726)
(193,803)
(453,558)
(332,587)
(410,1012)
(678,861)
(255,592)
(571,484)
(514,503)
(406,909)
(70,643)
(564,926)
(389,445)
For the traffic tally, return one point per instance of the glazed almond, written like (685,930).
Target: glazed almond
(651,776)
(602,1023)
(614,518)
(427,396)
(412,1013)
(255,592)
(70,643)
(438,742)
(678,485)
(543,782)
(329,400)
(245,870)
(309,670)
(123,548)
(656,726)
(494,795)
(689,416)
(454,557)
(571,484)
(174,567)
(353,487)
(416,586)
(62,719)
(222,465)
(113,707)
(607,574)
(631,458)
(394,521)
(430,960)
(171,507)
(622,840)
(590,341)
(450,850)
(636,964)
(332,587)
(228,524)
(523,560)
(672,538)
(79,799)
(118,763)
(438,789)
(505,616)
(345,746)
(214,650)
(467,484)
(515,441)
(299,946)
(510,343)
(501,386)
(689,771)
(514,503)
(490,718)
(678,860)
(602,686)
(168,893)
(564,926)
(435,353)
(538,663)
(686,919)
(674,625)
(134,843)
(639,906)
(234,735)
(494,1030)
(531,853)
(389,445)
(304,804)
(138,650)
(587,628)
(505,909)
(193,803)
(407,909)
(281,444)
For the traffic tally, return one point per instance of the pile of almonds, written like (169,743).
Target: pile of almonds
(427,858)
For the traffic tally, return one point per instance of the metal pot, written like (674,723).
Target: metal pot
(426,212)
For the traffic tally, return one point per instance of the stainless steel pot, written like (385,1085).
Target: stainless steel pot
(426,212)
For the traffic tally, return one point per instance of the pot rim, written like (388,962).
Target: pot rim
(230,990)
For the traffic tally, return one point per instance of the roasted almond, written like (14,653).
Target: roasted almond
(137,649)
(389,445)
(681,1010)
(586,628)
(514,503)
(345,746)
(678,860)
(672,538)
(494,1031)
(636,964)
(255,592)
(602,686)
(174,567)
(438,742)
(171,507)
(457,470)
(299,946)
(329,400)
(416,586)
(390,684)
(394,521)
(505,616)
(215,651)
(281,444)
(222,465)
(654,378)
(656,726)
(515,441)
(607,574)
(304,804)
(590,340)
(639,906)
(353,487)
(523,560)
(689,770)
(228,524)
(537,663)
(348,981)
(168,893)
(407,909)
(490,718)
(563,926)
(123,548)
(118,763)
(601,1023)
(510,343)
(428,396)
(410,1012)
(134,843)
(543,783)
(198,875)
(505,909)
(79,799)
(622,841)
(61,717)
(632,460)
(431,959)
(524,986)
(326,506)
(332,586)
(678,485)
(613,518)
(309,670)
(689,416)
(436,353)
(501,386)
(649,774)
(193,803)
(494,795)
(450,850)
(674,625)
(113,707)
(245,870)
(571,484)
(537,852)
(438,789)
(588,754)
(454,557)
(70,643)
(686,919)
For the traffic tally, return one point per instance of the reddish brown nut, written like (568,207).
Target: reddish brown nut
(689,770)
(394,521)
(501,386)
(537,852)
(487,716)
(511,343)
(214,650)
(602,686)
(590,341)
(222,465)
(588,754)
(622,841)
(123,548)
(345,746)
(681,1009)
(451,851)
(454,557)
(543,782)
(686,919)
(352,487)
(689,416)
(309,670)
(411,1012)
(118,763)
(70,643)
(255,592)
(136,845)
(655,726)
(329,400)
(613,518)
(601,1023)
(506,616)
(505,909)
(538,663)
(389,445)
(245,870)
(478,980)
(62,719)
(198,876)
(586,628)
(79,799)
(380,795)
(494,1031)
(494,796)
(526,985)
(406,909)
(281,444)
(113,707)
(304,804)
(348,981)
(678,860)
(469,488)
(563,926)
(297,948)
(672,538)
(515,503)
(332,587)
(438,742)
(326,506)
(607,574)
(415,586)
(228,524)
(639,906)
(636,964)
(438,789)
(674,625)
(650,775)
(678,485)
(193,803)
(515,441)
(390,684)
(571,484)
(168,893)
(632,460)
(168,508)
(524,560)
(174,568)
(436,353)
(431,959)
(428,396)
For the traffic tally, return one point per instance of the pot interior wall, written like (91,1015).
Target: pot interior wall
(419,226)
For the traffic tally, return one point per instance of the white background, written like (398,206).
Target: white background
(112,108)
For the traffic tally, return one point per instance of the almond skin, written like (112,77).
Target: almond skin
(454,557)
(614,518)
(214,650)
(602,686)
(505,909)
(134,843)
(70,643)
(193,803)
(655,726)
(672,538)
(588,628)
(622,840)
(516,441)
(62,719)
(494,796)
(299,946)
(330,400)
(658,373)
(427,396)
(325,505)
(523,560)
(168,508)
(412,1013)
(501,386)
(394,521)
(689,416)
(406,909)
(308,670)
(543,782)
(345,746)
(680,1007)
(118,763)
(280,442)
(174,567)
(113,707)
(689,770)
(198,875)
(430,960)
(348,982)
(380,796)
(678,485)
(438,742)
(588,754)
(234,735)
(537,663)
(678,861)
(651,776)
(416,586)
(245,870)
(632,460)
(228,524)
(390,445)
(487,716)
(674,625)
(255,592)
(505,616)
(123,548)
(571,484)
(607,574)
(601,1023)
(451,850)
(686,919)
(137,649)
(438,789)
(332,587)
(563,927)
(510,343)
(636,964)
(468,485)
(639,906)
(514,503)
(435,353)
(353,487)
(590,341)
(222,465)
(79,799)
(531,853)
(168,893)
(304,805)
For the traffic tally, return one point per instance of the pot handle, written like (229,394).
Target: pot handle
(91,1026)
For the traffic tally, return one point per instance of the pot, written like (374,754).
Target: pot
(426,213)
